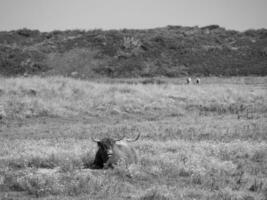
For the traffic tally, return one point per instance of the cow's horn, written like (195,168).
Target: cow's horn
(133,140)
(95,140)
(121,138)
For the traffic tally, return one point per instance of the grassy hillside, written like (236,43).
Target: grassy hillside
(205,141)
(171,51)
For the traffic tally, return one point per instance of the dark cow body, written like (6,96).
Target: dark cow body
(111,152)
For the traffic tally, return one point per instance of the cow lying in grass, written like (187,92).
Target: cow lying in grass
(112,151)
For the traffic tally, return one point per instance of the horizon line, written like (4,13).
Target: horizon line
(119,29)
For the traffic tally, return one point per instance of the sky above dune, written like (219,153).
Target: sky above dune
(47,15)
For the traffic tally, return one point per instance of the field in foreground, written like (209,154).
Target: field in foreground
(205,141)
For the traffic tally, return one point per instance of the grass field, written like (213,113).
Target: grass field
(206,141)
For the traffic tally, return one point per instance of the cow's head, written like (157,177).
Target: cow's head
(106,150)
(106,145)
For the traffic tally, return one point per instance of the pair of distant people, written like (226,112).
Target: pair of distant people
(189,80)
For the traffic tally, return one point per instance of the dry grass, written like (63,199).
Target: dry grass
(198,141)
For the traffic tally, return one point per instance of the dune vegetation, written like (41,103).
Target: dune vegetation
(206,141)
(172,51)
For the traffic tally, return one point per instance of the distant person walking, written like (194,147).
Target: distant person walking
(188,80)
(198,81)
